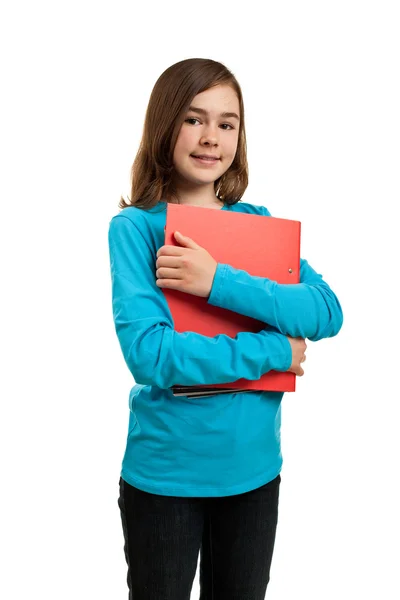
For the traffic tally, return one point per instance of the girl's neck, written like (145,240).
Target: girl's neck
(199,200)
(215,204)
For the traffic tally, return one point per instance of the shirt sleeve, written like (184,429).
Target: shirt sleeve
(154,352)
(308,309)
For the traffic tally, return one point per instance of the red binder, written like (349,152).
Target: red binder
(263,246)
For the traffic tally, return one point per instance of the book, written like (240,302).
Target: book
(264,247)
(194,391)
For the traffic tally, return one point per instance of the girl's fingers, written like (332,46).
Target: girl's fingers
(165,272)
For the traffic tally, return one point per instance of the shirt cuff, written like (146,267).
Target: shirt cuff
(215,293)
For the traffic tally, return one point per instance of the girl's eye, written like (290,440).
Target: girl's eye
(194,119)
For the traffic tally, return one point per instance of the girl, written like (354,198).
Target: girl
(201,474)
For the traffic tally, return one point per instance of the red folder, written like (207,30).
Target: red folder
(263,246)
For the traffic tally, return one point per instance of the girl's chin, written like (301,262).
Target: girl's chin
(193,176)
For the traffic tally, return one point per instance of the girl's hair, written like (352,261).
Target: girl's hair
(152,169)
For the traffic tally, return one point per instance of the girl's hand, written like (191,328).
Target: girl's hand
(187,268)
(299,347)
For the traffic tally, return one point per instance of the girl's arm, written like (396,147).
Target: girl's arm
(156,354)
(309,309)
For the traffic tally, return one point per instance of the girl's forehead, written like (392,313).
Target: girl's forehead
(219,98)
(222,92)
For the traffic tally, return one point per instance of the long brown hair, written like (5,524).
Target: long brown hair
(173,92)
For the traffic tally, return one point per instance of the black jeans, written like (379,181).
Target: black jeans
(164,534)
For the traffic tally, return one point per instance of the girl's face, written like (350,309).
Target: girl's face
(207,131)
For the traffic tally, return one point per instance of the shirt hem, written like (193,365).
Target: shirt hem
(185,492)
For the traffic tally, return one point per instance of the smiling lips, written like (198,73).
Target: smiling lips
(206,160)
(206,156)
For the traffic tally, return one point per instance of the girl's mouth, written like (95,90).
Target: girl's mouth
(205,161)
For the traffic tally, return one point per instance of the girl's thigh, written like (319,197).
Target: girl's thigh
(162,542)
(238,544)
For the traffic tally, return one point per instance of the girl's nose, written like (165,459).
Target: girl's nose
(210,138)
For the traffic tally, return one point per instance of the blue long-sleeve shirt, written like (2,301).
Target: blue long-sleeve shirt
(215,445)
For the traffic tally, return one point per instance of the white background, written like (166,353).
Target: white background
(321,88)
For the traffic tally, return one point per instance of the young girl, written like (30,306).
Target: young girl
(201,474)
